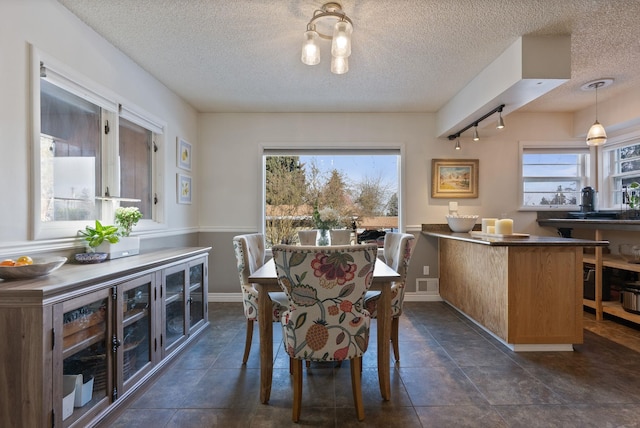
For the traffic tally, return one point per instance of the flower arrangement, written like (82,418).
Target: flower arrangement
(325,219)
(126,218)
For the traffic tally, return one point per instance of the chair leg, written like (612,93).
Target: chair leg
(297,389)
(308,363)
(356,386)
(247,343)
(395,325)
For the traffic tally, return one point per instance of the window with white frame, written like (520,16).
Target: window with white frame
(93,154)
(552,174)
(621,166)
(349,185)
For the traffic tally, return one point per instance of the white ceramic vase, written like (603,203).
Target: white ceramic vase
(308,237)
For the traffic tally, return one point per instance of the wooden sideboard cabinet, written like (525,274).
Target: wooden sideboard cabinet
(79,341)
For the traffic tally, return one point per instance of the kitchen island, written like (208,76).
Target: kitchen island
(524,290)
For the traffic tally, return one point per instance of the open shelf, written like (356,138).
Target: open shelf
(613,261)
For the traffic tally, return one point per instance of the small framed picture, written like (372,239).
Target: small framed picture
(183,188)
(454,178)
(184,154)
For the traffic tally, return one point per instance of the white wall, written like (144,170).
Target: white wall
(51,28)
(231,145)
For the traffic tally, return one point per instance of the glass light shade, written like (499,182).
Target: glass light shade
(597,135)
(310,48)
(341,42)
(339,64)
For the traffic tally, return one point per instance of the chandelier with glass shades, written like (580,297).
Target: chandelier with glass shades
(329,23)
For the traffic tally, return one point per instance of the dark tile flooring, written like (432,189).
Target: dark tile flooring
(451,374)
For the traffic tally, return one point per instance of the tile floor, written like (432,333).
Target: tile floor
(451,374)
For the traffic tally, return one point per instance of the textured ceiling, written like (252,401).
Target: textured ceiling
(407,55)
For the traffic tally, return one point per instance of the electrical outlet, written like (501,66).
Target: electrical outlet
(425,270)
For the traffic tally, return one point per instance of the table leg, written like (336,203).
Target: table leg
(265,326)
(384,336)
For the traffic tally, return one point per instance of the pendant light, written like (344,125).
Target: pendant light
(596,135)
(310,48)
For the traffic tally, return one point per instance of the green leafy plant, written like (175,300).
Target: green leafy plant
(98,234)
(634,197)
(126,218)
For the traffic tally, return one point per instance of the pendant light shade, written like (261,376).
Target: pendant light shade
(339,65)
(310,48)
(596,135)
(341,42)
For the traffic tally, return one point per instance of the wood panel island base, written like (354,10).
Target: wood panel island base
(526,292)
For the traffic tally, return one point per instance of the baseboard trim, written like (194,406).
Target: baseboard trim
(237,297)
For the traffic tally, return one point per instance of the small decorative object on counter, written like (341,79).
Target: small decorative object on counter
(98,234)
(126,218)
(488,222)
(504,226)
(461,223)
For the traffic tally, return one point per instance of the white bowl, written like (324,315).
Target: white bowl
(461,223)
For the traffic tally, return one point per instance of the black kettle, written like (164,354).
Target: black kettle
(588,200)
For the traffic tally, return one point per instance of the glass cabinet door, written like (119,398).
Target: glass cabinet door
(87,360)
(175,282)
(197,293)
(136,337)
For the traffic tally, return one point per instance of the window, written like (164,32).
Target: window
(552,175)
(92,155)
(621,164)
(357,185)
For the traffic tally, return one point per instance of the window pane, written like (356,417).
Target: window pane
(70,155)
(135,165)
(350,187)
(552,178)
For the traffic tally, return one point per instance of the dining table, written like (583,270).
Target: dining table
(266,280)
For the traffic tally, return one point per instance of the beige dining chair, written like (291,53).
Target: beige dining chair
(250,255)
(325,321)
(397,254)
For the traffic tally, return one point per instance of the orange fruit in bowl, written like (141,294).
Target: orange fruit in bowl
(7,262)
(24,260)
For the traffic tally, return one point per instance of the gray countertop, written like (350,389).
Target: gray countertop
(540,241)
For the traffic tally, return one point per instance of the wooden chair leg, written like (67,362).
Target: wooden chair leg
(297,389)
(308,363)
(247,343)
(395,325)
(356,386)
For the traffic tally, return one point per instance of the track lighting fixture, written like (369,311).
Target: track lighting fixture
(475,123)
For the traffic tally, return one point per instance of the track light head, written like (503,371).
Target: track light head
(458,144)
(476,137)
(500,120)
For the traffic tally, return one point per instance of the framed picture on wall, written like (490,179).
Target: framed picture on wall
(183,188)
(454,178)
(183,154)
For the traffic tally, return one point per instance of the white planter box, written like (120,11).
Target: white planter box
(128,246)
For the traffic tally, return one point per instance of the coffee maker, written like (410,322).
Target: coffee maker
(588,200)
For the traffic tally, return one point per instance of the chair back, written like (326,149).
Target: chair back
(397,254)
(250,256)
(325,286)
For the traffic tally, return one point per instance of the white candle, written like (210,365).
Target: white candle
(491,230)
(504,226)
(486,222)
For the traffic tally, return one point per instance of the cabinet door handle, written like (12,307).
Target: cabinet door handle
(115,344)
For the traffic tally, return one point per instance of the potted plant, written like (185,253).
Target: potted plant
(95,236)
(126,218)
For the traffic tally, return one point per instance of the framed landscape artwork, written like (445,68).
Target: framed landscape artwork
(454,178)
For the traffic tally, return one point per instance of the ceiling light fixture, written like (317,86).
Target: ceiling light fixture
(458,144)
(475,123)
(329,23)
(596,135)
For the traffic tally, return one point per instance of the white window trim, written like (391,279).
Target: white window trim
(61,75)
(547,145)
(346,148)
(627,137)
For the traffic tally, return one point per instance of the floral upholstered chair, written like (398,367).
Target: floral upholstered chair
(397,254)
(250,256)
(326,320)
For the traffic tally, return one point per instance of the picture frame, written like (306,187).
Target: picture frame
(454,178)
(183,188)
(183,154)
